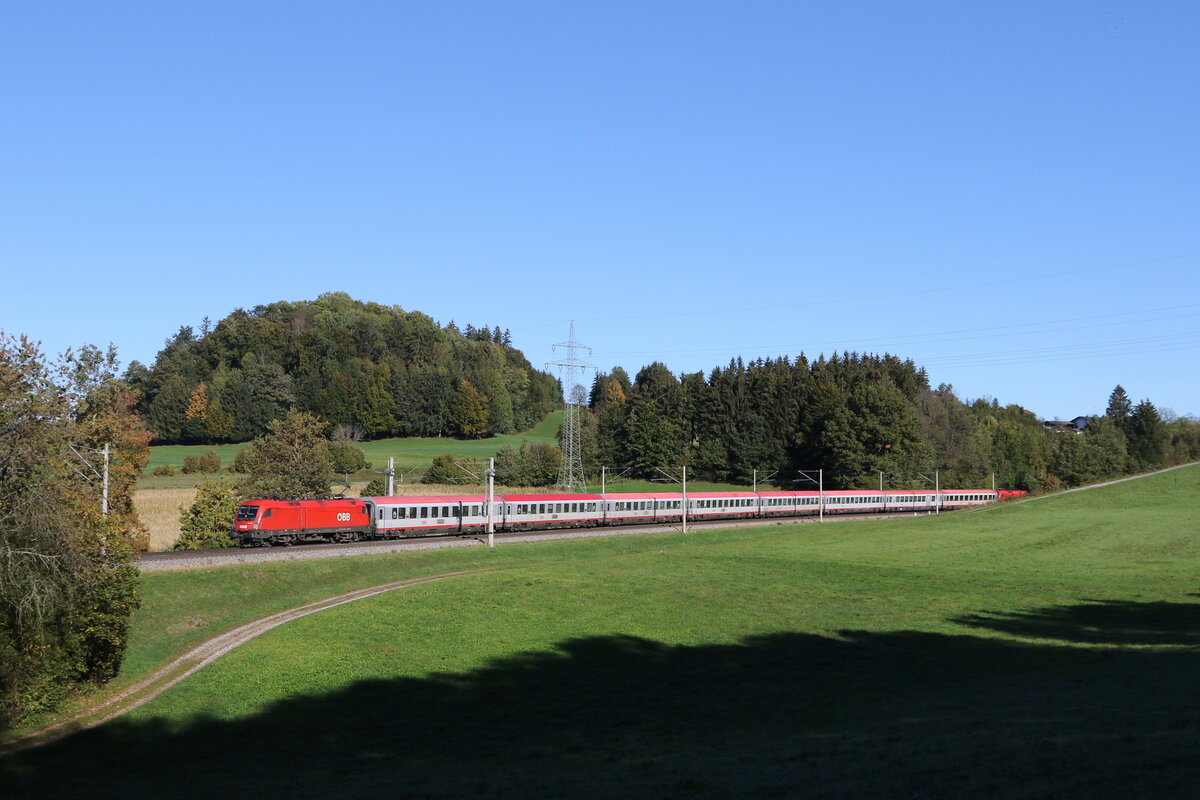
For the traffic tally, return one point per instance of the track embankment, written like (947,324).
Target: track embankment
(1109,483)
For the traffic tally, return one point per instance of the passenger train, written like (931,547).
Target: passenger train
(287,522)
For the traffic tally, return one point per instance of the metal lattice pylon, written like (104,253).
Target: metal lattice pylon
(570,474)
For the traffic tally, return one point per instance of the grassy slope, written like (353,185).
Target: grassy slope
(1045,649)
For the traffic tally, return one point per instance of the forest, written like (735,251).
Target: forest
(371,370)
(861,419)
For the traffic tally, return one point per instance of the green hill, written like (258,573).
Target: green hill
(378,371)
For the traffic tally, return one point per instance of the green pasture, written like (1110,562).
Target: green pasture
(1041,649)
(408,452)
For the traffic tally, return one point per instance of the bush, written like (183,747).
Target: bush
(240,463)
(346,457)
(165,471)
(442,470)
(209,520)
(376,488)
(207,464)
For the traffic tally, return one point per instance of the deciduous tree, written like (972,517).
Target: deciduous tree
(67,582)
(292,461)
(207,522)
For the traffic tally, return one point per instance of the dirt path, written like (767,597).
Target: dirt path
(199,656)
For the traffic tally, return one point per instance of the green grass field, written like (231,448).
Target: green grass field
(409,452)
(1046,649)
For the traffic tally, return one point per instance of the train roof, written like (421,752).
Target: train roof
(396,500)
(548,498)
(343,502)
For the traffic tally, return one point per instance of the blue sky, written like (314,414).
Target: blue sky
(1007,193)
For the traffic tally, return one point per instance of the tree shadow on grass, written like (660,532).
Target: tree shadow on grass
(1099,622)
(899,714)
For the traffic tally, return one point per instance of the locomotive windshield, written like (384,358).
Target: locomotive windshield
(246,513)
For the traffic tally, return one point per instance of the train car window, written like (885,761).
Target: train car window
(381,513)
(395,513)
(424,512)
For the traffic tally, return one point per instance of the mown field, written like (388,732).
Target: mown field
(1047,649)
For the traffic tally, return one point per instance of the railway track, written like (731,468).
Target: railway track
(193,559)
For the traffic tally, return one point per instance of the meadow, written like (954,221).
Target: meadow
(1045,649)
(415,452)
